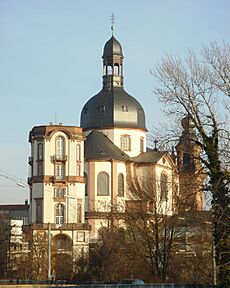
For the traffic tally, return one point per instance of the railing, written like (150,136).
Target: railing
(59,178)
(59,157)
(65,226)
(71,284)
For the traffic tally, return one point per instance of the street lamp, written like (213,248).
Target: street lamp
(18,183)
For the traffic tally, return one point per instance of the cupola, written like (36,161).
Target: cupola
(112,64)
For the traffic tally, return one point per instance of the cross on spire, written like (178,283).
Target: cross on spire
(113,23)
(155,142)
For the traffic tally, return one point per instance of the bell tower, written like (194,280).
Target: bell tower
(112,62)
(189,165)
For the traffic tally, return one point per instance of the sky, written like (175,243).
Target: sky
(50,62)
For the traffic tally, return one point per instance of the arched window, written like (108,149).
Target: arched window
(40,151)
(62,242)
(86,184)
(59,211)
(105,70)
(60,146)
(78,152)
(188,162)
(163,186)
(78,159)
(116,69)
(120,185)
(109,70)
(125,142)
(102,184)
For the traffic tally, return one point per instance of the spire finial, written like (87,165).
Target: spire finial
(155,142)
(113,23)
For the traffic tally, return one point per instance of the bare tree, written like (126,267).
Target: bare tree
(197,87)
(35,252)
(108,260)
(152,224)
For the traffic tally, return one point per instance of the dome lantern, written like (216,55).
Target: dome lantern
(112,64)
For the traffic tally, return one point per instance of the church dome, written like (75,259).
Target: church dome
(112,47)
(112,108)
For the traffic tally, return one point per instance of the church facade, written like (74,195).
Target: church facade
(81,174)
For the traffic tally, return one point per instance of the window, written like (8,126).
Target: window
(163,185)
(101,108)
(141,144)
(125,143)
(79,212)
(39,212)
(86,184)
(124,108)
(188,162)
(59,214)
(80,236)
(109,70)
(62,242)
(60,171)
(40,169)
(120,185)
(40,151)
(103,184)
(59,192)
(78,158)
(116,69)
(78,169)
(60,146)
(78,152)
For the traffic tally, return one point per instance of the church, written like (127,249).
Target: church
(79,175)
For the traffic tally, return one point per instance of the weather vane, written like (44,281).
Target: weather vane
(113,22)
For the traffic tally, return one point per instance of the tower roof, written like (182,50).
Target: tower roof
(112,47)
(113,108)
(99,146)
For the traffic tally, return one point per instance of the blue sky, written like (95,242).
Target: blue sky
(50,61)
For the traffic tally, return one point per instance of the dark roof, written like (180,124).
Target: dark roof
(99,146)
(149,157)
(113,107)
(112,47)
(14,207)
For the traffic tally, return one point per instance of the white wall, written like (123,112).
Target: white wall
(44,192)
(115,136)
